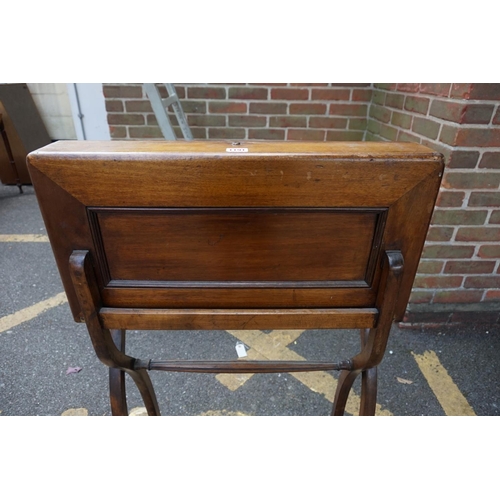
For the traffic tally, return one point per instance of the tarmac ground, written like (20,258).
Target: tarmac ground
(48,366)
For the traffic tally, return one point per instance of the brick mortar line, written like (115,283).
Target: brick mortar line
(451,275)
(461,287)
(488,217)
(444,261)
(347,117)
(495,109)
(240,100)
(472,209)
(482,149)
(277,101)
(452,243)
(440,122)
(257,127)
(318,86)
(365,131)
(435,118)
(474,258)
(468,190)
(434,96)
(496,268)
(486,223)
(475,126)
(475,242)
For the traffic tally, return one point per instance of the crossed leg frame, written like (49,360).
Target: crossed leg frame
(109,346)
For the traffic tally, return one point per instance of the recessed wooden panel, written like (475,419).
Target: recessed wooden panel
(237,247)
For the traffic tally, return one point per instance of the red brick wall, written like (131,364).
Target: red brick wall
(459,270)
(307,111)
(459,273)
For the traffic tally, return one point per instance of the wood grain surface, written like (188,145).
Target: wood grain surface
(194,224)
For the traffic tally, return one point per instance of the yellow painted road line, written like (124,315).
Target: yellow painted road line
(274,346)
(75,412)
(12,320)
(234,381)
(223,413)
(23,238)
(446,391)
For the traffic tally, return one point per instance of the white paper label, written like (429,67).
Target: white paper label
(241,350)
(236,150)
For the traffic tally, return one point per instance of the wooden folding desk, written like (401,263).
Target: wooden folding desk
(255,235)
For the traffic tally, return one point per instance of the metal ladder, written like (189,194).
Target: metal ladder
(160,106)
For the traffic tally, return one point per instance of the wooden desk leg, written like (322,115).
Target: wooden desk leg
(143,383)
(346,379)
(373,341)
(368,387)
(368,384)
(117,390)
(104,344)
(368,392)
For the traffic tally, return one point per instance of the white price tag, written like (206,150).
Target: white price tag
(241,350)
(236,150)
